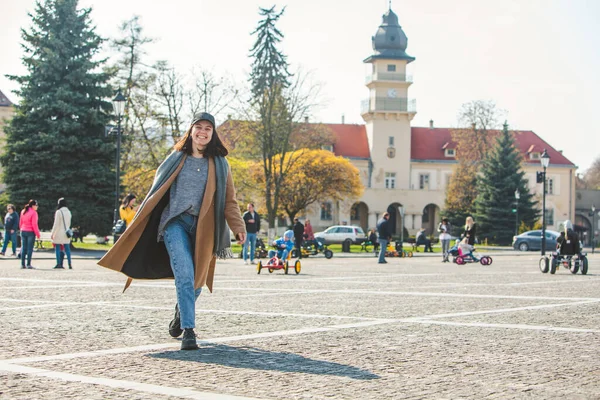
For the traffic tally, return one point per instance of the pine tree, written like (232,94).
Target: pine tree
(271,107)
(500,176)
(56,146)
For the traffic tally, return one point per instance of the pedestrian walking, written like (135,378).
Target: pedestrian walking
(298,236)
(252,222)
(444,230)
(181,226)
(385,235)
(28,224)
(59,236)
(11,226)
(374,241)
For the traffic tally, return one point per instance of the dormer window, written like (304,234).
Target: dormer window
(450,152)
(391,141)
(328,147)
(391,68)
(534,156)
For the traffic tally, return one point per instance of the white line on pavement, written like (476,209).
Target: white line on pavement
(162,346)
(506,326)
(120,384)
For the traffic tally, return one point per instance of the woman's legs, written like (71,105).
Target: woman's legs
(27,242)
(179,240)
(6,239)
(68,254)
(445,248)
(57,253)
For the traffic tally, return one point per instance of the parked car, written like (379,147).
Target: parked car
(532,240)
(342,233)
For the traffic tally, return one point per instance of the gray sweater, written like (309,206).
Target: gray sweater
(187,191)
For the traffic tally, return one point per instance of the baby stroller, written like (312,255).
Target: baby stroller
(463,253)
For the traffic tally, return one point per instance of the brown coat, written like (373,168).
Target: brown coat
(138,255)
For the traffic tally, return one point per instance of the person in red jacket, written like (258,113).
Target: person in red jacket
(28,224)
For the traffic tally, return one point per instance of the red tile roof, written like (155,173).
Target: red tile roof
(4,101)
(351,140)
(428,144)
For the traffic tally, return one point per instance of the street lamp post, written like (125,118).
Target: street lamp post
(545,160)
(593,230)
(119,106)
(517,197)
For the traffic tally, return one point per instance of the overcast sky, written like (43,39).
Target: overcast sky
(537,59)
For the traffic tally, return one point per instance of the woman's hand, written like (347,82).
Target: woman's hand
(241,237)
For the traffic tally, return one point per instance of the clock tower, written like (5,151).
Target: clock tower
(388,110)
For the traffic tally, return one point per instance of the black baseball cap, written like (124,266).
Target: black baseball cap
(204,116)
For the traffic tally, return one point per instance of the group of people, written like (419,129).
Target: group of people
(27,224)
(294,237)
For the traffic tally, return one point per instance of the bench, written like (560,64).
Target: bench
(364,245)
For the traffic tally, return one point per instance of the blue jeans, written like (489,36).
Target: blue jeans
(12,237)
(250,239)
(281,254)
(383,243)
(27,242)
(180,236)
(59,259)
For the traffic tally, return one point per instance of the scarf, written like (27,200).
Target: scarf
(168,167)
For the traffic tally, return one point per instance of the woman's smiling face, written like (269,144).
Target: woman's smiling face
(202,132)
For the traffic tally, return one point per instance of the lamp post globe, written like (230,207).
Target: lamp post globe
(545,160)
(118,107)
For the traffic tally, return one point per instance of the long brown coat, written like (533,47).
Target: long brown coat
(137,253)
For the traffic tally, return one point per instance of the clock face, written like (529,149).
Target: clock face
(392,93)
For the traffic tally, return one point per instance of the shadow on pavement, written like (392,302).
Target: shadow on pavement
(252,358)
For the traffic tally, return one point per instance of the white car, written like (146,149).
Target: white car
(342,233)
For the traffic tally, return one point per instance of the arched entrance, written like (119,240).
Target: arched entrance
(395,219)
(430,218)
(584,226)
(359,215)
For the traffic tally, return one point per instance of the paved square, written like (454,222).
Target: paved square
(345,328)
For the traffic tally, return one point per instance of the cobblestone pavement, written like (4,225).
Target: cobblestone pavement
(345,328)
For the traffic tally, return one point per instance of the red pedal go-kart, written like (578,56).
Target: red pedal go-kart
(277,263)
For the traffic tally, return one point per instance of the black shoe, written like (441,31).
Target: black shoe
(30,267)
(175,325)
(59,267)
(70,267)
(189,340)
(23,267)
(382,262)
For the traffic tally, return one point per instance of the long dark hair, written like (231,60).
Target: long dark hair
(30,204)
(127,199)
(61,203)
(214,148)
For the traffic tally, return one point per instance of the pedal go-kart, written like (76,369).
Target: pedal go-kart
(397,251)
(312,248)
(460,258)
(260,252)
(574,263)
(275,262)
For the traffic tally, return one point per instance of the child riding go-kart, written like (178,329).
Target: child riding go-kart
(312,248)
(462,252)
(279,259)
(568,253)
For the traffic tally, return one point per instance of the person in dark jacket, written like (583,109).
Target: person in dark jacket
(252,221)
(568,242)
(470,231)
(373,239)
(298,236)
(385,235)
(11,226)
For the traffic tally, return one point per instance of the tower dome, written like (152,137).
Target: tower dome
(390,41)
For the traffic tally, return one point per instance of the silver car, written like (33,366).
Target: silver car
(532,240)
(342,233)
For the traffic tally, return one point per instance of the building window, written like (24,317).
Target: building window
(355,212)
(450,153)
(534,156)
(549,216)
(390,180)
(550,186)
(391,141)
(425,217)
(424,181)
(327,147)
(326,211)
(391,68)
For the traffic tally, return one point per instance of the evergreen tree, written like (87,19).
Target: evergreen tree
(56,145)
(274,125)
(500,176)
